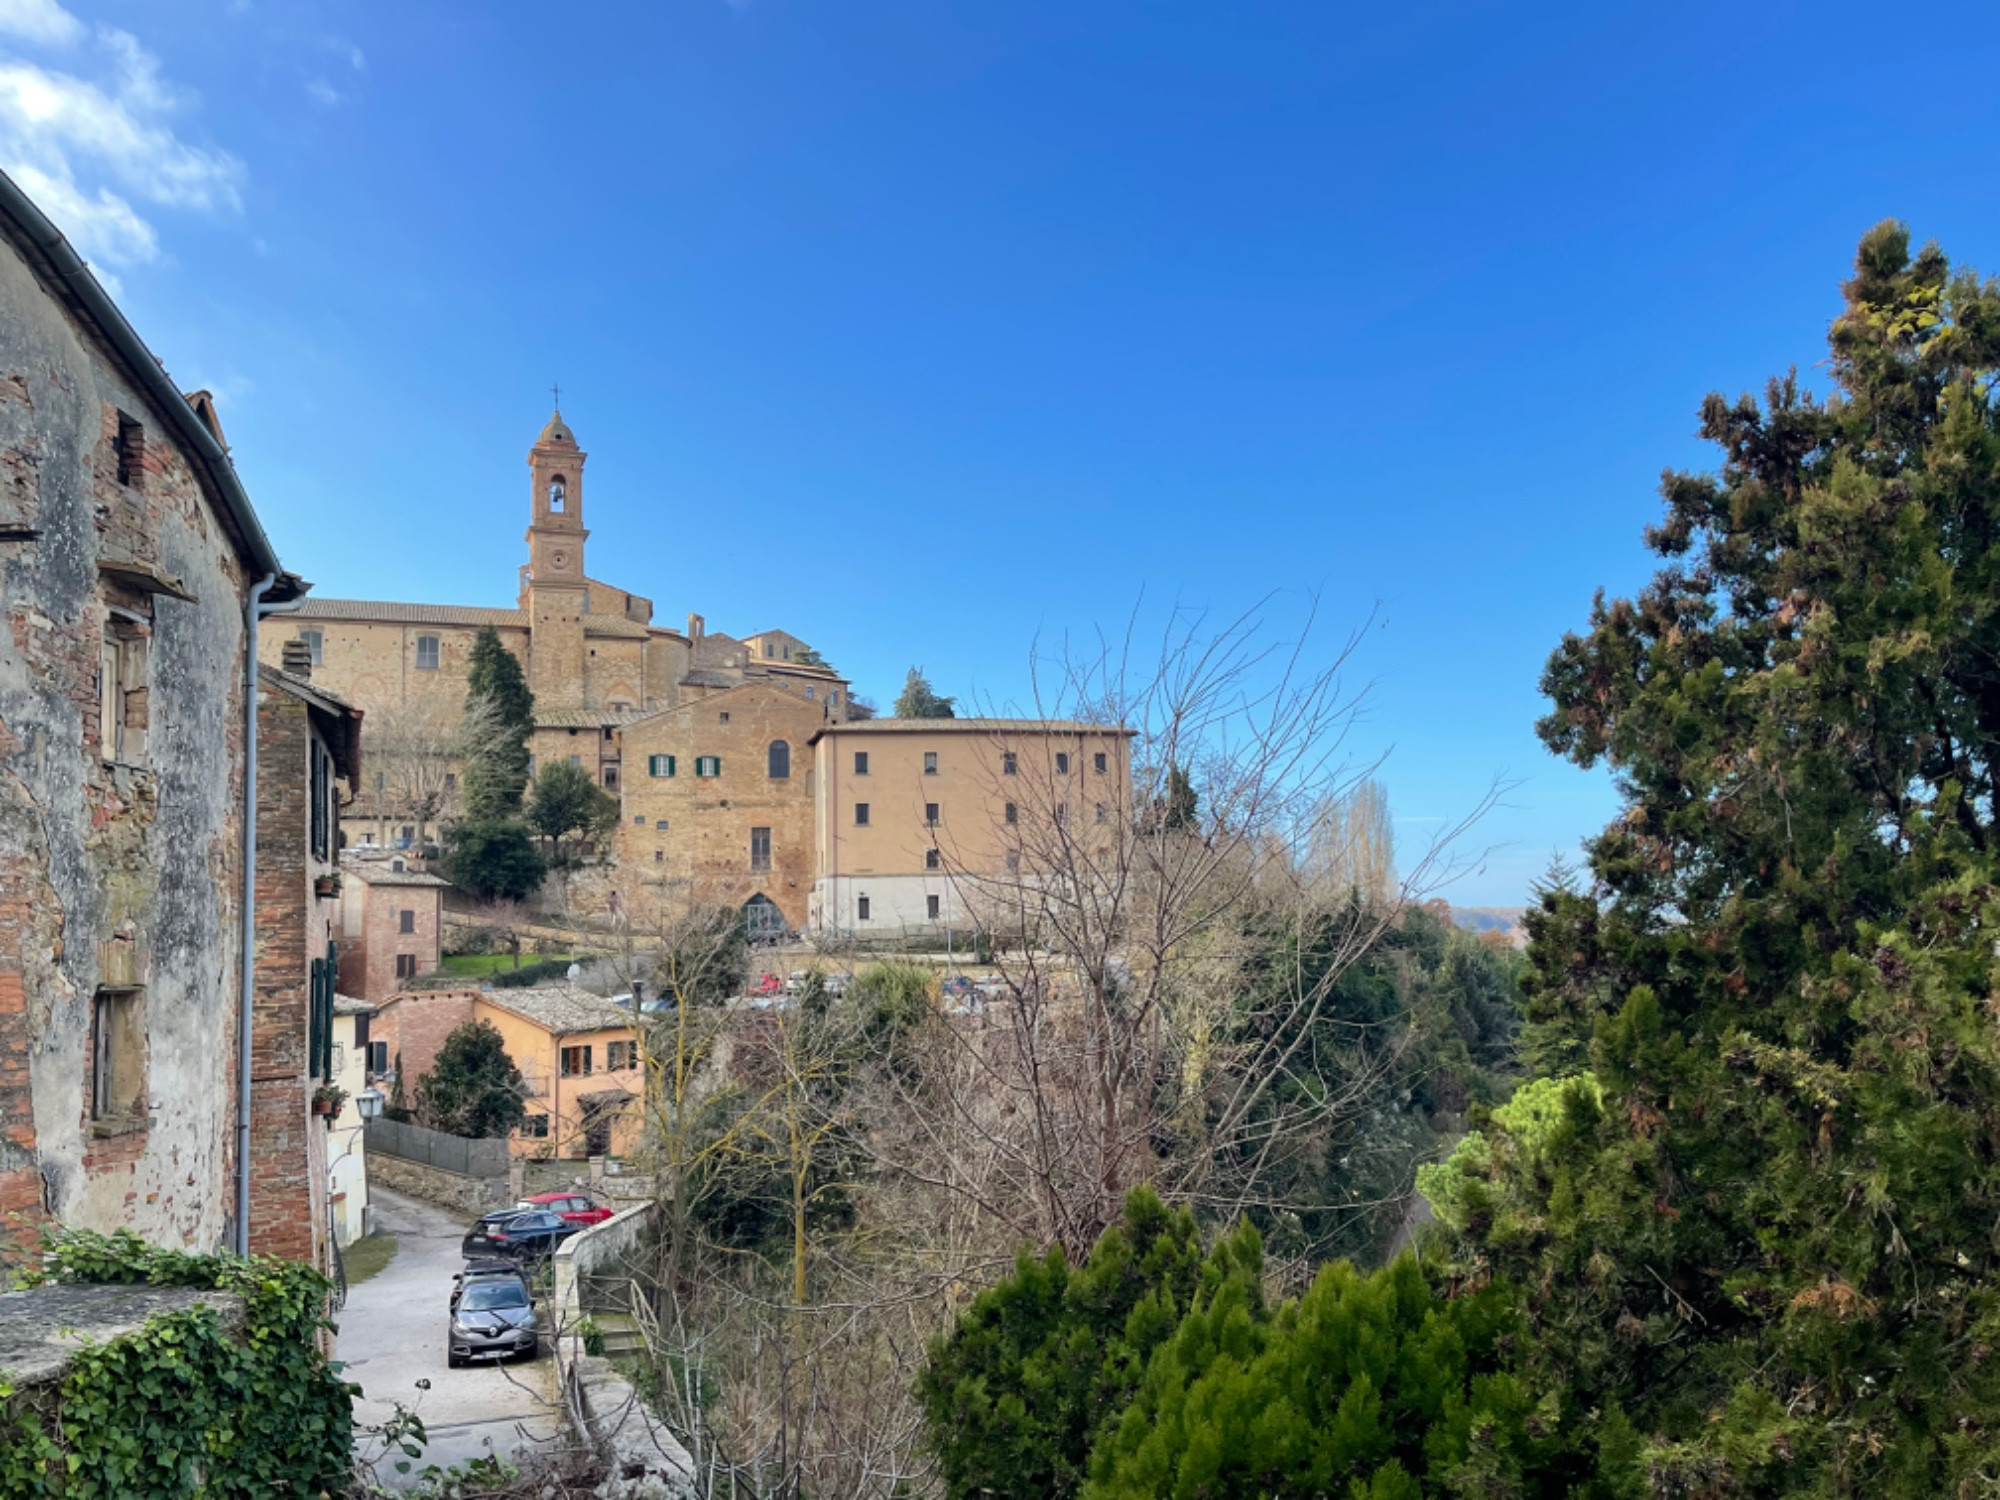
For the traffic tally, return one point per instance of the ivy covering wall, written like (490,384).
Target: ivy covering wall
(184,1406)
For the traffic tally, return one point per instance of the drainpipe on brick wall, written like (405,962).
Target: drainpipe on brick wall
(254,610)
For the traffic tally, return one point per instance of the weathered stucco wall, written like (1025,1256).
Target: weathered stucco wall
(113,867)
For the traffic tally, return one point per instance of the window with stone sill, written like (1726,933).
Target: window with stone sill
(427,653)
(406,966)
(576,1062)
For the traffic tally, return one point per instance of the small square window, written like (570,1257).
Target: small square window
(930,762)
(723,717)
(1062,763)
(406,920)
(861,763)
(861,909)
(576,1062)
(640,821)
(661,826)
(930,814)
(1013,813)
(933,860)
(659,856)
(1103,813)
(659,765)
(861,815)
(809,692)
(1100,762)
(931,904)
(406,966)
(1010,763)
(708,765)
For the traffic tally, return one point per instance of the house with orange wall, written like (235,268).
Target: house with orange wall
(579,1056)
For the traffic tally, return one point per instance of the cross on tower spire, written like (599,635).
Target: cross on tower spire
(555,389)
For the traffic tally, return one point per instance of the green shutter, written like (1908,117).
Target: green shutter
(659,765)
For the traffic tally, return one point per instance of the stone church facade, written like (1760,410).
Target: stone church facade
(679,725)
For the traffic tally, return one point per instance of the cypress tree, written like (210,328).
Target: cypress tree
(496,772)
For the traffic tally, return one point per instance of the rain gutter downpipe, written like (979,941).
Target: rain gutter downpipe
(254,610)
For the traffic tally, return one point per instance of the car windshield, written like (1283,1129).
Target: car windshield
(482,1295)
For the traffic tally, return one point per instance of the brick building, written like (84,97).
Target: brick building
(129,553)
(389,923)
(597,665)
(718,800)
(308,744)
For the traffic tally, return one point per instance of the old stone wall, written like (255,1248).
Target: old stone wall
(121,741)
(471,1196)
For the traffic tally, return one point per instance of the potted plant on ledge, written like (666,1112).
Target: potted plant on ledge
(327,1099)
(326,887)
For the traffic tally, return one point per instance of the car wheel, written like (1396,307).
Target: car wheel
(453,1361)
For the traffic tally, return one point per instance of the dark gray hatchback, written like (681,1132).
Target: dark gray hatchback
(494,1319)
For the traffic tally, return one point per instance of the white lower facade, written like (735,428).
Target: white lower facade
(863,906)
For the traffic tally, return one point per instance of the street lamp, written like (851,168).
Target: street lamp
(368,1103)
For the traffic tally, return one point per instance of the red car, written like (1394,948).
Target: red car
(767,984)
(574,1207)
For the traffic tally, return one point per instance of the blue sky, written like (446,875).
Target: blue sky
(926,328)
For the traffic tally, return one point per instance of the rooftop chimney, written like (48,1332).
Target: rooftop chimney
(298,659)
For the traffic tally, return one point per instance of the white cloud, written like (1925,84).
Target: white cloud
(39,21)
(87,148)
(323,93)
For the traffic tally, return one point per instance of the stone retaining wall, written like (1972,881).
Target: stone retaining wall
(471,1196)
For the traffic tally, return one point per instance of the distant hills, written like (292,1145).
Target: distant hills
(1505,920)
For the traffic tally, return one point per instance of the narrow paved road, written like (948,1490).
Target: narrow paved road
(392,1334)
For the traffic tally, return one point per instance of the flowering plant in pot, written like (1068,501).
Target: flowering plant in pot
(327,1099)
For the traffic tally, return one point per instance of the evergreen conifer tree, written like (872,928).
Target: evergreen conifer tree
(496,773)
(918,701)
(1762,1226)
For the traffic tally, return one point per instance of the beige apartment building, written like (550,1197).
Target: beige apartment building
(918,823)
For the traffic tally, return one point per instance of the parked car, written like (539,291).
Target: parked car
(992,987)
(574,1207)
(531,1236)
(492,1317)
(796,982)
(957,987)
(475,1237)
(483,1270)
(835,985)
(767,984)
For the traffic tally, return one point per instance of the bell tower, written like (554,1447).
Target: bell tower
(557,594)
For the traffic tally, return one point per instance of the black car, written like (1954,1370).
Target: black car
(474,1246)
(523,1236)
(492,1315)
